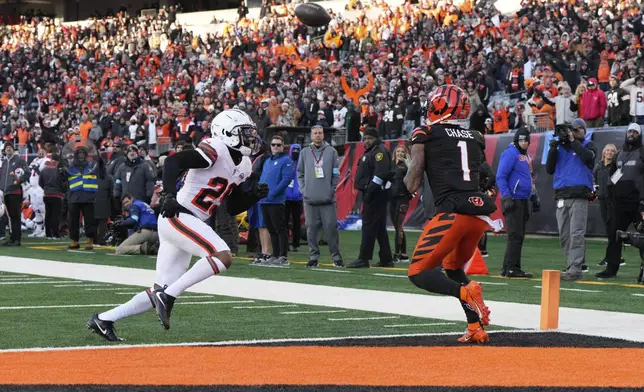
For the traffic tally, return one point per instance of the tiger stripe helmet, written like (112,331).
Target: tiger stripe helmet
(448,103)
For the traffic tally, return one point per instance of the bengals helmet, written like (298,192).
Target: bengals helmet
(448,103)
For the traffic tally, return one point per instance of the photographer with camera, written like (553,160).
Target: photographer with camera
(626,187)
(571,160)
(142,220)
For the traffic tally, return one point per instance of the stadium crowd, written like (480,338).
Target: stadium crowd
(149,82)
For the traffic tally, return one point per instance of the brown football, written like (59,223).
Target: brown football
(312,14)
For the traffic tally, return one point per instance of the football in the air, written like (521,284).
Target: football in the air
(312,14)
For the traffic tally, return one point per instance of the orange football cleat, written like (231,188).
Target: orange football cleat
(474,334)
(472,293)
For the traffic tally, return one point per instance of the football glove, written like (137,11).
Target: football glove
(169,206)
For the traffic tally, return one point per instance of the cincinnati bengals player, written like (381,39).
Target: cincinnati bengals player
(219,168)
(451,156)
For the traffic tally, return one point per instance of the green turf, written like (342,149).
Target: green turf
(538,254)
(62,327)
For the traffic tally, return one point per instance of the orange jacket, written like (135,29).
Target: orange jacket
(355,95)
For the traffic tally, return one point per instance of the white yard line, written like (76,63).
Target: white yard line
(183,296)
(492,283)
(315,311)
(113,289)
(114,254)
(40,282)
(363,318)
(521,316)
(264,306)
(576,290)
(417,325)
(330,270)
(252,342)
(269,266)
(638,295)
(22,279)
(89,252)
(111,305)
(4,277)
(391,276)
(82,285)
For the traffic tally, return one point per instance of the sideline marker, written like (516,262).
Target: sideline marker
(550,299)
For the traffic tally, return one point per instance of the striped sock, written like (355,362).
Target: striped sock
(202,270)
(140,303)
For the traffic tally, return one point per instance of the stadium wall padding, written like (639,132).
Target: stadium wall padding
(543,222)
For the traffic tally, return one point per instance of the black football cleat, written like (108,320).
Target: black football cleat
(163,304)
(104,329)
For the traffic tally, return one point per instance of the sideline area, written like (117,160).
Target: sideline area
(524,316)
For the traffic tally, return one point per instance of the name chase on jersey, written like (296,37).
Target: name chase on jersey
(459,133)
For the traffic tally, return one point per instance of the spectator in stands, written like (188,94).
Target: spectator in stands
(601,177)
(277,172)
(565,105)
(594,104)
(52,182)
(13,173)
(83,185)
(571,161)
(500,116)
(618,101)
(142,222)
(318,175)
(516,119)
(635,88)
(515,182)
(134,177)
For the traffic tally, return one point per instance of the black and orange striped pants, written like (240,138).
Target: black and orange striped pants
(450,239)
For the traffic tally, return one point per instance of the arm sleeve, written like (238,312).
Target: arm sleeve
(335,179)
(149,184)
(587,154)
(117,185)
(185,160)
(551,162)
(488,179)
(242,197)
(300,172)
(503,174)
(25,172)
(133,219)
(382,165)
(287,177)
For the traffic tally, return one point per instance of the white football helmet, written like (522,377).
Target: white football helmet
(236,129)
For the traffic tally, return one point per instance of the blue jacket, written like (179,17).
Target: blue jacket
(513,175)
(140,215)
(293,191)
(571,171)
(277,173)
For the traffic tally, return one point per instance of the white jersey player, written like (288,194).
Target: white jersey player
(218,168)
(37,195)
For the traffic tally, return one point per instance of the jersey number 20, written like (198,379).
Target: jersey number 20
(217,189)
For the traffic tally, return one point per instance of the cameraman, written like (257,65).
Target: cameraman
(626,187)
(145,239)
(571,159)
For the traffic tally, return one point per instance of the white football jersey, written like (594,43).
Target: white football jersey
(203,190)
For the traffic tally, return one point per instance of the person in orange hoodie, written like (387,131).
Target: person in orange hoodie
(500,116)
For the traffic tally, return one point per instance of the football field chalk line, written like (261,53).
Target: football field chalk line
(417,325)
(576,290)
(251,342)
(505,314)
(112,305)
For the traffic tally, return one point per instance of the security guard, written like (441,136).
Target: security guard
(372,179)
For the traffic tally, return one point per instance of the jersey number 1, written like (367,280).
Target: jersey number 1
(465,165)
(205,199)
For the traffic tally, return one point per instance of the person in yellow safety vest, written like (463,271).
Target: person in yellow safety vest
(83,185)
